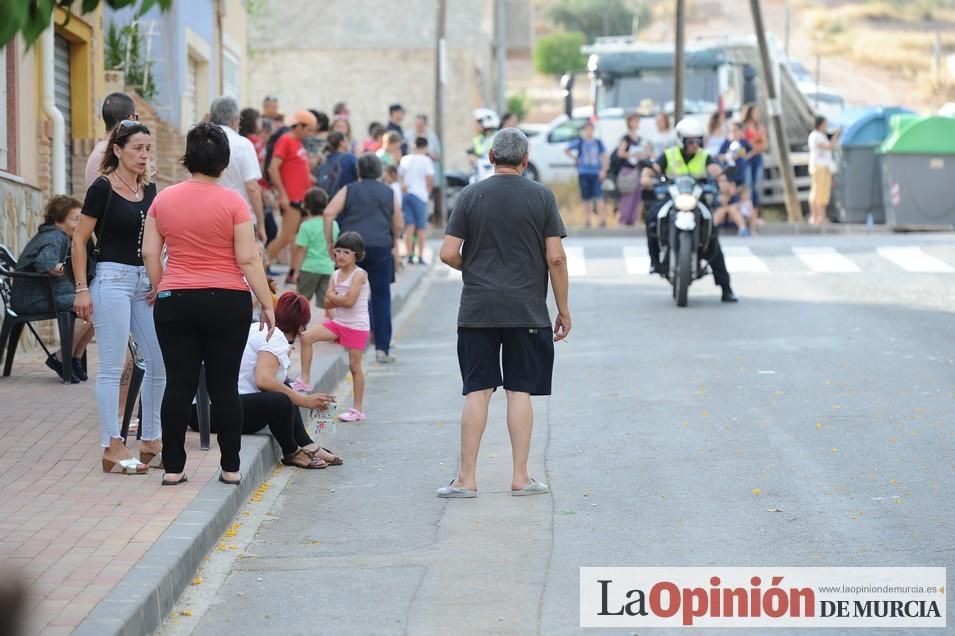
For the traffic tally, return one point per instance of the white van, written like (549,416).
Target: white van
(548,162)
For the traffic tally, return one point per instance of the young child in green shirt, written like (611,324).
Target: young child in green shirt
(312,264)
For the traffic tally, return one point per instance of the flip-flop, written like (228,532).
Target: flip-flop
(230,482)
(352,415)
(533,488)
(181,480)
(453,492)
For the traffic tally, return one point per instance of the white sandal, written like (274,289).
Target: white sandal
(128,466)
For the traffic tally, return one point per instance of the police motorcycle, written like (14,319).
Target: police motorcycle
(684,227)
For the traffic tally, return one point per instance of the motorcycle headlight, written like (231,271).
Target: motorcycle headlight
(685,202)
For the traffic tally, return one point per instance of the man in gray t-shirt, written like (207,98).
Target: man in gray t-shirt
(505,236)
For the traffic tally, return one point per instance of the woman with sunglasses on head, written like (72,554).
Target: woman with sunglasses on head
(203,305)
(119,298)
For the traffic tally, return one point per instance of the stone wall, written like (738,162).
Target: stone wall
(168,144)
(21,212)
(370,55)
(375,79)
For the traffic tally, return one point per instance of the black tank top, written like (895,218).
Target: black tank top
(369,208)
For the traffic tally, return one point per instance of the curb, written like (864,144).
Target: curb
(145,596)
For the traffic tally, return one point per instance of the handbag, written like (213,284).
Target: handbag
(628,180)
(93,249)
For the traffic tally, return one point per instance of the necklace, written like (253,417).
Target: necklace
(123,181)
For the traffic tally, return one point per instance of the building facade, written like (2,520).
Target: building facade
(197,52)
(26,131)
(371,54)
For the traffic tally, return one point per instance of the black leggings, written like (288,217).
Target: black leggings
(197,326)
(276,411)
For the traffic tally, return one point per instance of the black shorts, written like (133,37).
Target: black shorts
(525,355)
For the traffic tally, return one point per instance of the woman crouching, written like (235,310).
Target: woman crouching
(268,401)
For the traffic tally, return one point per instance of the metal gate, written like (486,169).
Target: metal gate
(62,97)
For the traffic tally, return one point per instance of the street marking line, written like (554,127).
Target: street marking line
(636,259)
(824,259)
(740,258)
(576,263)
(913,259)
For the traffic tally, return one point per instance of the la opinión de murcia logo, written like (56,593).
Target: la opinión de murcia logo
(665,599)
(794,597)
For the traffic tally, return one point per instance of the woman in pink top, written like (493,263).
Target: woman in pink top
(348,293)
(202,304)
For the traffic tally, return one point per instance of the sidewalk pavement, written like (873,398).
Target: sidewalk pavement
(109,553)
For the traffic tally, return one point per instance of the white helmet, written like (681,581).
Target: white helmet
(487,118)
(690,129)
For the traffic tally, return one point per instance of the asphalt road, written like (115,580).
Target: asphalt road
(831,392)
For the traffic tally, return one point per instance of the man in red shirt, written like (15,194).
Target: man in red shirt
(290,176)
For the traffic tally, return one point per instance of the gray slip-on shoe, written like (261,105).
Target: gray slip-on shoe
(453,492)
(533,488)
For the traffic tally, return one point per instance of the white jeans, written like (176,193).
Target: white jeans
(118,293)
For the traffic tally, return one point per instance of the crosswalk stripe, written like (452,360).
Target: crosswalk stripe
(824,259)
(740,258)
(576,263)
(636,259)
(913,259)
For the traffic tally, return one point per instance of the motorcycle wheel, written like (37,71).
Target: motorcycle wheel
(682,282)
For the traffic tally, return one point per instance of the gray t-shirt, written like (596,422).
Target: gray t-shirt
(504,221)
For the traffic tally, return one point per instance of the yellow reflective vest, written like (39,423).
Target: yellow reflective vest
(677,166)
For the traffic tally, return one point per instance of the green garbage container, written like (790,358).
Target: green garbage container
(857,182)
(918,170)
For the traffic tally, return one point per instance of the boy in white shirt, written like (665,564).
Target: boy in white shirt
(417,179)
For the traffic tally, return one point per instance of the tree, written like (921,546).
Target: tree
(33,17)
(594,18)
(124,52)
(560,52)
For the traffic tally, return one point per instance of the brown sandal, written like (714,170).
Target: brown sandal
(336,461)
(313,463)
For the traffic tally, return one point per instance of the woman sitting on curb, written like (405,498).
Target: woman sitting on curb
(267,400)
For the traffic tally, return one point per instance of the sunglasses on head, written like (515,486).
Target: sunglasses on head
(129,123)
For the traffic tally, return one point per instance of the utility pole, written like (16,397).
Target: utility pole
(774,111)
(679,62)
(440,79)
(500,37)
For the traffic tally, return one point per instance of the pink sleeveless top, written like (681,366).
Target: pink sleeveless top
(356,316)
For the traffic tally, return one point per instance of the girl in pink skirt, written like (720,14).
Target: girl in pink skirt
(348,293)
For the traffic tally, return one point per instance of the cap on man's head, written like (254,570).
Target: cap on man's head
(305,118)
(395,108)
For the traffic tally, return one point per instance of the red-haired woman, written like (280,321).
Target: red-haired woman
(267,400)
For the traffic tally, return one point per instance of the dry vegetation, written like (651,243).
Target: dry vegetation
(897,38)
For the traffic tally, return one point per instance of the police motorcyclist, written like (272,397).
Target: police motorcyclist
(488,122)
(688,158)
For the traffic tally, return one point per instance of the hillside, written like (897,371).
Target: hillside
(871,52)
